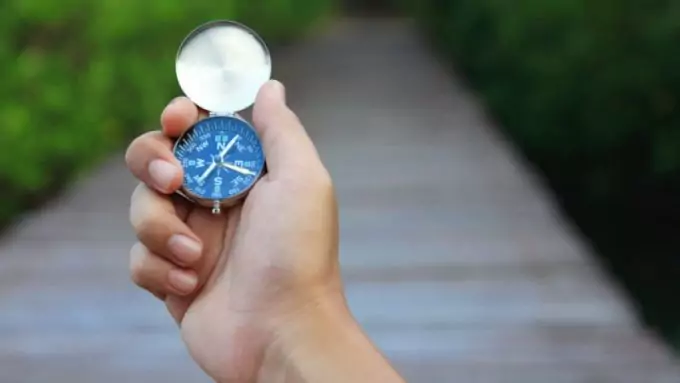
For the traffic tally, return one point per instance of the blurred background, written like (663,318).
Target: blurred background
(532,146)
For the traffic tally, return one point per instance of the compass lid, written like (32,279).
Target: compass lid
(221,66)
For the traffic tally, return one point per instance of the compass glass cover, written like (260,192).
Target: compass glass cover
(222,158)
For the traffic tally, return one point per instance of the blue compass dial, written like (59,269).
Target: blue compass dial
(222,158)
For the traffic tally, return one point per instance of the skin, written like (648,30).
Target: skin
(256,291)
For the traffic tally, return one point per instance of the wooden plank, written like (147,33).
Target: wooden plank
(443,371)
(492,301)
(520,352)
(537,344)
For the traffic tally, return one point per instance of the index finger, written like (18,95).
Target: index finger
(180,115)
(150,158)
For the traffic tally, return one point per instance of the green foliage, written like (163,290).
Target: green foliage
(591,91)
(81,77)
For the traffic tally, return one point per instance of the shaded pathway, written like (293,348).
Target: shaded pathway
(455,261)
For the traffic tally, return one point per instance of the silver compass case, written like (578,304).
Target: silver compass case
(221,66)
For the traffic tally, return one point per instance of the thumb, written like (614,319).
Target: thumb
(287,147)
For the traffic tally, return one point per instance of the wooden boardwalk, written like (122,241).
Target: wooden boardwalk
(456,262)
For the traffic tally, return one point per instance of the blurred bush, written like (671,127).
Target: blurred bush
(590,90)
(80,77)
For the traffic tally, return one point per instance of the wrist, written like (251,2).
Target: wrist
(324,343)
(301,334)
(257,341)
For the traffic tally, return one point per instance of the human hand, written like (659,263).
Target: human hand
(234,281)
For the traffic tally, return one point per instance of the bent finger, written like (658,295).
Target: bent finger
(158,276)
(158,226)
(150,159)
(178,116)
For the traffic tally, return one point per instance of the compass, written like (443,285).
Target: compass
(221,66)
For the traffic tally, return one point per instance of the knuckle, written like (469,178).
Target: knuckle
(147,223)
(137,151)
(147,227)
(136,196)
(292,117)
(320,181)
(138,215)
(130,152)
(324,181)
(138,257)
(136,146)
(289,120)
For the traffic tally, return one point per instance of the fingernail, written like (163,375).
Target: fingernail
(162,174)
(186,250)
(182,281)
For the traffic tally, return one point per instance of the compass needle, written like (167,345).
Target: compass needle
(212,167)
(238,169)
(228,147)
